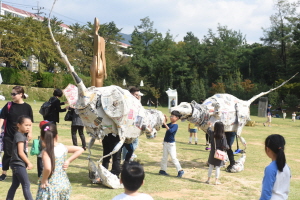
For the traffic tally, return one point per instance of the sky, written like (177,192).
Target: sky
(177,16)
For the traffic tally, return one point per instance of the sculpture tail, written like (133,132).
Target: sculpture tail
(264,93)
(65,59)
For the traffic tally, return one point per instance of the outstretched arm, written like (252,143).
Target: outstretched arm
(77,151)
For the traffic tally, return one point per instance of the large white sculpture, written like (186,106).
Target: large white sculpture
(233,112)
(106,110)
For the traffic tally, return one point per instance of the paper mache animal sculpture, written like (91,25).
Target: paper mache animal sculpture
(105,110)
(233,112)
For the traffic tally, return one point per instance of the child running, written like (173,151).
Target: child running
(132,177)
(193,131)
(276,181)
(54,180)
(218,140)
(19,159)
(169,147)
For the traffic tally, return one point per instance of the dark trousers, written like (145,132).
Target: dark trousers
(108,143)
(130,150)
(81,135)
(39,164)
(207,138)
(19,176)
(230,136)
(7,148)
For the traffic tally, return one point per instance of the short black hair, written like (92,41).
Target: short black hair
(132,175)
(57,92)
(133,90)
(176,113)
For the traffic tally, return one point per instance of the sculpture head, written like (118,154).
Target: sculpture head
(184,108)
(156,121)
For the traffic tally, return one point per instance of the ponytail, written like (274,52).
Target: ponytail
(48,133)
(276,143)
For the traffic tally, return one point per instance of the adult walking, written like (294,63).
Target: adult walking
(10,113)
(55,108)
(77,125)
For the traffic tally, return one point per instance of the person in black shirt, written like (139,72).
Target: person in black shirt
(19,159)
(18,107)
(55,107)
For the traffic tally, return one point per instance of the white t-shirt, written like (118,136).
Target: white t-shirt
(141,196)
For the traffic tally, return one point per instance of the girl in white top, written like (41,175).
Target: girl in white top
(54,180)
(294,117)
(276,181)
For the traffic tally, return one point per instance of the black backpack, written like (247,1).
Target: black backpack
(45,108)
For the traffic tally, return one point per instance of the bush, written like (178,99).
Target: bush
(47,80)
(9,75)
(291,100)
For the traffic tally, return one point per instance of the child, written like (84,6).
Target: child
(218,140)
(54,180)
(19,161)
(276,181)
(294,116)
(193,131)
(132,177)
(169,147)
(269,116)
(39,162)
(283,114)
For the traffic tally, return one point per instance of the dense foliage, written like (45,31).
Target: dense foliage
(221,61)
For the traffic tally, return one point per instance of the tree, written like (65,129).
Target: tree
(279,34)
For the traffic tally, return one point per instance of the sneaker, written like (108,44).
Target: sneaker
(2,177)
(207,148)
(207,182)
(228,169)
(218,183)
(162,172)
(180,173)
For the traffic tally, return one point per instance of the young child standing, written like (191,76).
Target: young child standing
(19,161)
(193,131)
(169,145)
(218,140)
(54,180)
(294,116)
(276,181)
(283,114)
(132,177)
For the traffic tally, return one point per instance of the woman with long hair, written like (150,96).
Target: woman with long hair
(10,113)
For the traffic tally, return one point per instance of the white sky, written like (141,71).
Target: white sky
(178,16)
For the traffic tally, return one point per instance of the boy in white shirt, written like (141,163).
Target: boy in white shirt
(132,177)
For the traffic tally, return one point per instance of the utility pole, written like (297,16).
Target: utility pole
(38,8)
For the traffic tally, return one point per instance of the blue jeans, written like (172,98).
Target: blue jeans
(19,176)
(134,145)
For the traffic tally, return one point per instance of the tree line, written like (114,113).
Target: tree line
(222,61)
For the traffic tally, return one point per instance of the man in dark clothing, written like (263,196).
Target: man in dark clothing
(230,139)
(109,142)
(53,116)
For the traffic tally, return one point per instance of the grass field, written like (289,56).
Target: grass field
(244,185)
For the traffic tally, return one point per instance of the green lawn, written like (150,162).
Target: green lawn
(244,185)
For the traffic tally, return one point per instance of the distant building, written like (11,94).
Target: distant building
(122,51)
(16,12)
